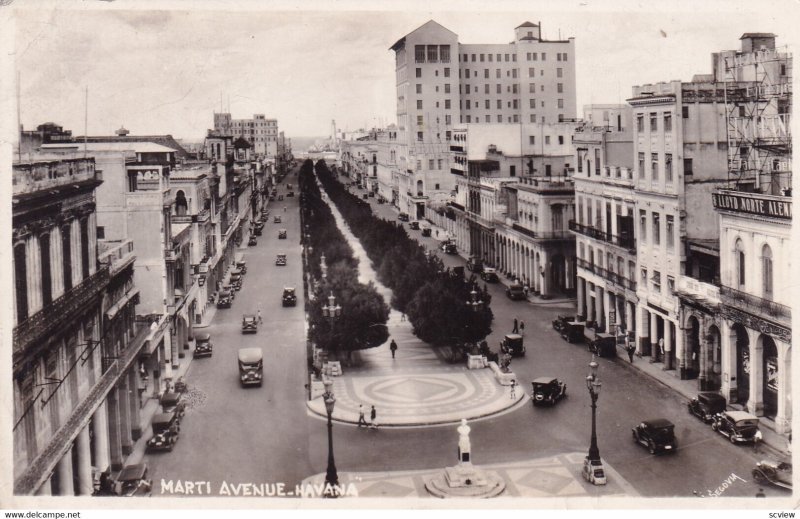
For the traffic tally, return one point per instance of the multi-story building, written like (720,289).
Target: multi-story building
(442,83)
(604,219)
(259,131)
(75,390)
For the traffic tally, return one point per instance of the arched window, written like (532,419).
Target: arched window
(180,203)
(766,271)
(739,258)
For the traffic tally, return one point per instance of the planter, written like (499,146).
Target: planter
(504,379)
(476,362)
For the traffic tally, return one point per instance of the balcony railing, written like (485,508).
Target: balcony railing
(63,310)
(38,176)
(697,289)
(116,254)
(756,305)
(617,279)
(550,235)
(626,242)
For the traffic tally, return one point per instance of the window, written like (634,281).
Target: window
(656,229)
(547,139)
(499,57)
(531,72)
(740,264)
(643,225)
(473,57)
(653,122)
(419,165)
(447,74)
(560,88)
(444,55)
(419,88)
(469,118)
(433,53)
(559,72)
(419,104)
(641,165)
(654,166)
(486,88)
(685,112)
(561,139)
(640,123)
(668,167)
(419,53)
(544,56)
(497,74)
(506,57)
(448,134)
(533,118)
(419,136)
(486,73)
(499,118)
(667,123)
(670,232)
(487,104)
(482,57)
(532,88)
(499,104)
(447,120)
(687,167)
(516,116)
(430,163)
(644,276)
(447,88)
(419,120)
(21,281)
(561,103)
(466,73)
(419,72)
(766,272)
(657,281)
(490,57)
(531,139)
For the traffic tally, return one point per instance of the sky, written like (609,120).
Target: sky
(166,67)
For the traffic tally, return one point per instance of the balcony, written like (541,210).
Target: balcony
(48,175)
(56,316)
(758,306)
(538,235)
(698,291)
(116,254)
(625,242)
(617,279)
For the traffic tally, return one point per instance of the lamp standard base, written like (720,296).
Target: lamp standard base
(593,471)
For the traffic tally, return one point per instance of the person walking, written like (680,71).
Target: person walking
(373,418)
(402,316)
(522,327)
(393,347)
(260,319)
(361,419)
(513,389)
(515,329)
(631,349)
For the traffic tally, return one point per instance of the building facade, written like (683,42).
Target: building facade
(259,131)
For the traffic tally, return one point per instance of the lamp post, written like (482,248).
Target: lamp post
(324,268)
(331,477)
(474,303)
(593,466)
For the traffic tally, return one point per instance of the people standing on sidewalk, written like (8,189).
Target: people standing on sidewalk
(373,418)
(361,419)
(515,329)
(393,347)
(522,327)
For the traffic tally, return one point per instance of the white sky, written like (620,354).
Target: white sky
(163,71)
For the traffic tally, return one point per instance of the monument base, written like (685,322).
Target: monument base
(465,481)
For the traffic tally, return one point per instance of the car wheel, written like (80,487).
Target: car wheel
(714,426)
(651,447)
(732,439)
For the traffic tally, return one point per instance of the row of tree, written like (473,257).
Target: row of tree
(363,315)
(436,300)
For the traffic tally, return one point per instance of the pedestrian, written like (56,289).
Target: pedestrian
(361,419)
(515,329)
(260,319)
(513,389)
(393,347)
(522,327)
(525,289)
(631,349)
(373,418)
(661,346)
(402,316)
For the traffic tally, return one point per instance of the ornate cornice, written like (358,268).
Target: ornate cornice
(756,323)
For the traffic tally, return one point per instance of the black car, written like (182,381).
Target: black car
(489,275)
(249,323)
(403,217)
(203,346)
(513,344)
(133,481)
(414,225)
(166,429)
(547,390)
(290,193)
(603,345)
(658,435)
(738,426)
(224,299)
(475,264)
(515,292)
(449,247)
(289,297)
(282,234)
(706,404)
(252,241)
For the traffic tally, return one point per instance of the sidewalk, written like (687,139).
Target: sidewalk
(774,444)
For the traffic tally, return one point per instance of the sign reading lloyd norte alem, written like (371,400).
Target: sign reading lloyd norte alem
(753,204)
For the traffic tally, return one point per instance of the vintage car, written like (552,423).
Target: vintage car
(425,230)
(779,473)
(276,218)
(236,279)
(403,217)
(475,264)
(252,241)
(264,217)
(603,345)
(371,194)
(230,289)
(289,187)
(706,404)
(241,264)
(365,196)
(657,434)
(414,226)
(251,366)
(560,322)
(289,297)
(133,481)
(290,194)
(172,402)
(258,229)
(249,323)
(513,344)
(381,200)
(280,197)
(489,275)
(272,197)
(515,292)
(282,234)
(166,429)
(738,426)
(202,346)
(449,247)
(280,260)
(547,390)
(224,299)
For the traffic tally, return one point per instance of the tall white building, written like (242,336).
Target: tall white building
(260,132)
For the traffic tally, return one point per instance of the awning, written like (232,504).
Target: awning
(119,305)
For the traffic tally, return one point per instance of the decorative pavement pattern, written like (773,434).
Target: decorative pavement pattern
(551,477)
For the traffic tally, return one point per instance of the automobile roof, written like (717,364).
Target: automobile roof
(544,380)
(281,230)
(170,398)
(489,270)
(162,418)
(249,316)
(740,415)
(709,395)
(658,422)
(249,355)
(289,288)
(513,336)
(133,472)
(203,336)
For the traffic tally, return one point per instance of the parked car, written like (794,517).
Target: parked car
(252,241)
(547,390)
(202,346)
(738,426)
(573,332)
(290,194)
(449,247)
(513,344)
(282,234)
(365,196)
(289,187)
(276,218)
(289,297)
(414,226)
(236,279)
(241,264)
(172,402)
(475,264)
(166,429)
(280,260)
(779,473)
(658,435)
(232,291)
(403,217)
(371,194)
(133,481)
(272,197)
(425,231)
(604,345)
(515,292)
(249,323)
(706,404)
(258,229)
(224,299)
(593,471)
(381,201)
(489,275)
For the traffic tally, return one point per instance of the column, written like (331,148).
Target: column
(100,430)
(643,330)
(680,349)
(654,355)
(599,315)
(64,470)
(56,261)
(783,418)
(124,417)
(580,296)
(607,307)
(755,404)
(133,399)
(630,310)
(545,279)
(114,431)
(668,345)
(85,483)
